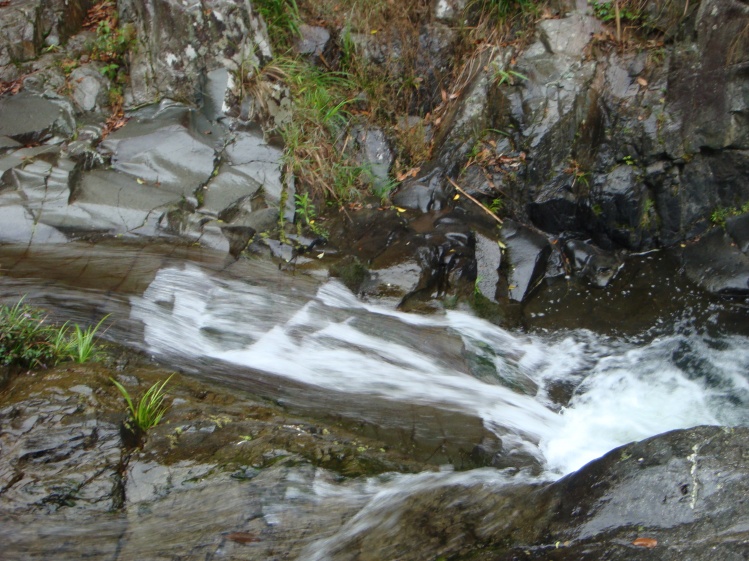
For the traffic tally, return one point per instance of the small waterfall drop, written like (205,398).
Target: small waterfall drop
(616,390)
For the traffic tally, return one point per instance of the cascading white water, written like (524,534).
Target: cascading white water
(623,391)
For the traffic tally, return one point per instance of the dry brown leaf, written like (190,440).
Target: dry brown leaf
(642,81)
(650,543)
(242,537)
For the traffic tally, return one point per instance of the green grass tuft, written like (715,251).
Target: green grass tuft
(29,340)
(149,410)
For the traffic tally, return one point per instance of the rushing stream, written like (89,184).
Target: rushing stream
(621,390)
(559,399)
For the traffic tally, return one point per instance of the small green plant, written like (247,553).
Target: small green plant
(502,76)
(82,344)
(29,340)
(25,337)
(149,410)
(629,160)
(606,10)
(476,287)
(281,17)
(496,206)
(305,209)
(720,215)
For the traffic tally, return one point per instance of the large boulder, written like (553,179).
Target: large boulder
(28,26)
(180,43)
(681,495)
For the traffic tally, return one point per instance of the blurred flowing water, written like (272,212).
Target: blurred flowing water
(619,390)
(562,398)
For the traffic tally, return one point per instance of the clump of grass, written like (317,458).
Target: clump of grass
(82,343)
(26,337)
(29,340)
(149,410)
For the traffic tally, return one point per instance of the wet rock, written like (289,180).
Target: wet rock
(249,155)
(169,150)
(706,86)
(652,498)
(55,456)
(179,44)
(90,90)
(22,39)
(553,102)
(717,264)
(593,263)
(527,254)
(373,152)
(669,488)
(20,226)
(738,228)
(30,119)
(425,193)
(488,263)
(433,65)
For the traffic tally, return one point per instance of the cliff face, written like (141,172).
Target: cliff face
(595,142)
(634,147)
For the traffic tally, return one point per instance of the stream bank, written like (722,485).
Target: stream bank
(621,266)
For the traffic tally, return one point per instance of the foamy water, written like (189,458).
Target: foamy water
(622,391)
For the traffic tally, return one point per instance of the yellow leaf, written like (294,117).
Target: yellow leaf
(373,31)
(501,244)
(140,181)
(399,209)
(456,197)
(321,255)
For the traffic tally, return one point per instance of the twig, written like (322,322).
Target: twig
(470,198)
(618,22)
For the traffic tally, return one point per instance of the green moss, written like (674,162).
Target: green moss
(351,271)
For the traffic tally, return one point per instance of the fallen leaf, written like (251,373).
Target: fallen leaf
(650,543)
(456,197)
(242,537)
(642,81)
(399,209)
(140,181)
(501,245)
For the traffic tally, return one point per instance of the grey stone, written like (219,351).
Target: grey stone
(715,263)
(312,40)
(425,193)
(180,43)
(593,263)
(167,151)
(527,253)
(374,154)
(488,261)
(90,90)
(32,119)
